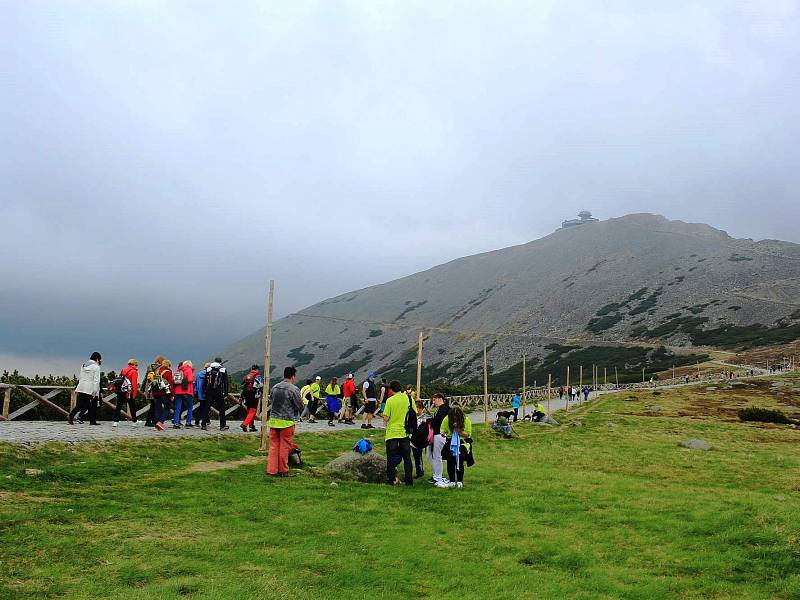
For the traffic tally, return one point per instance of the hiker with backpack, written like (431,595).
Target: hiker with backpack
(400,419)
(88,391)
(150,419)
(350,400)
(316,399)
(162,387)
(386,393)
(305,396)
(200,396)
(184,393)
(285,409)
(417,449)
(370,394)
(437,438)
(216,389)
(457,429)
(252,390)
(515,404)
(333,400)
(126,386)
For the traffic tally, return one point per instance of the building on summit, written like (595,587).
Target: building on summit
(585,217)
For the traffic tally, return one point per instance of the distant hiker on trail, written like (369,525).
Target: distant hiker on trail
(370,394)
(184,393)
(316,399)
(333,400)
(585,393)
(126,386)
(457,429)
(515,404)
(350,400)
(149,374)
(216,389)
(88,390)
(538,412)
(252,390)
(162,386)
(561,393)
(305,396)
(201,416)
(434,450)
(398,446)
(285,409)
(573,393)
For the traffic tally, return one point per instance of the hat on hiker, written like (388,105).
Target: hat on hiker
(349,375)
(319,378)
(371,376)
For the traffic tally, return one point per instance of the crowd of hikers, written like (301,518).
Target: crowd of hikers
(443,437)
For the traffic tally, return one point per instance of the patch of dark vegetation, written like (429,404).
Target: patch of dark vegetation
(672,316)
(375,333)
(608,309)
(569,285)
(747,336)
(340,369)
(349,351)
(647,303)
(678,280)
(599,324)
(299,357)
(734,308)
(701,260)
(735,257)
(596,266)
(763,415)
(685,324)
(637,295)
(698,308)
(795,314)
(411,307)
(692,269)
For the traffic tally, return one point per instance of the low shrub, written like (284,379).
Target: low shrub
(763,415)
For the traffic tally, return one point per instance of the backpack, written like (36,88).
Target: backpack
(254,385)
(411,419)
(156,381)
(215,380)
(422,436)
(362,447)
(120,385)
(179,378)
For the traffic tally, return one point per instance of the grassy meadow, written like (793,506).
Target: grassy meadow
(604,506)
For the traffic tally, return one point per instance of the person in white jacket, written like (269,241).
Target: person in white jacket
(88,390)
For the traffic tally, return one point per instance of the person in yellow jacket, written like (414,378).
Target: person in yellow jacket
(333,400)
(398,444)
(457,429)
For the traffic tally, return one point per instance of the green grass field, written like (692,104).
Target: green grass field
(610,509)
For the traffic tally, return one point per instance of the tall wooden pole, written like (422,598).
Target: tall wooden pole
(642,374)
(549,385)
(524,386)
(485,386)
(580,384)
(568,394)
(673,371)
(419,368)
(605,375)
(267,349)
(616,376)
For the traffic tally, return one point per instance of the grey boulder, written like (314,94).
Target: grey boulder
(695,444)
(367,468)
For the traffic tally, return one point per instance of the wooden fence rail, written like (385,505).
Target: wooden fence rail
(54,397)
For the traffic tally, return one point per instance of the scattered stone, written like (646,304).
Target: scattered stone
(631,399)
(578,423)
(695,444)
(548,420)
(654,410)
(711,388)
(610,424)
(367,468)
(334,484)
(777,384)
(738,384)
(33,472)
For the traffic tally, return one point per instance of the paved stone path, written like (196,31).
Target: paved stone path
(32,433)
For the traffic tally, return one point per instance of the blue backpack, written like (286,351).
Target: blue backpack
(362,447)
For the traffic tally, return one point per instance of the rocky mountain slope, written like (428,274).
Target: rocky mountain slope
(639,278)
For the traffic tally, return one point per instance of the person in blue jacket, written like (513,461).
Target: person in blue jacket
(200,395)
(515,404)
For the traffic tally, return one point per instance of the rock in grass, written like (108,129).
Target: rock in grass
(548,420)
(695,444)
(711,388)
(369,468)
(33,472)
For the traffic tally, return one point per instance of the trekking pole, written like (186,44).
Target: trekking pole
(267,348)
(524,387)
(485,387)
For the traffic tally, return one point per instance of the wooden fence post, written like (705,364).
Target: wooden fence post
(419,368)
(267,351)
(485,387)
(549,385)
(616,376)
(73,400)
(524,386)
(7,403)
(566,406)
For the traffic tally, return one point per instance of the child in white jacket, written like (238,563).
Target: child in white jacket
(88,390)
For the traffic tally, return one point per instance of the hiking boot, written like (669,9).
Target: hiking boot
(459,485)
(331,424)
(243,427)
(176,426)
(79,420)
(70,421)
(135,424)
(189,425)
(225,428)
(252,428)
(203,428)
(370,426)
(363,426)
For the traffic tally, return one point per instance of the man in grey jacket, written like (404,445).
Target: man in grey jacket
(285,408)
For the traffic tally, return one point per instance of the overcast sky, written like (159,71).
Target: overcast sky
(160,161)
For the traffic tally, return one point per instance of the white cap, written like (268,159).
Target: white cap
(319,378)
(349,375)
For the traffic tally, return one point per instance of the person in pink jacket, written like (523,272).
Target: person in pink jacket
(184,394)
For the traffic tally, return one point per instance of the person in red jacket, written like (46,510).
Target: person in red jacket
(350,400)
(184,394)
(163,390)
(131,374)
(252,391)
